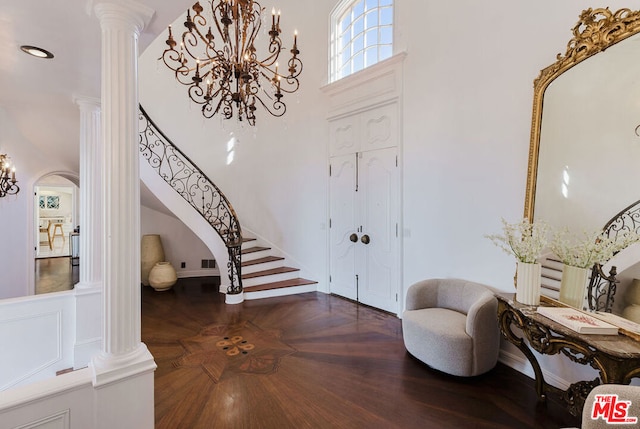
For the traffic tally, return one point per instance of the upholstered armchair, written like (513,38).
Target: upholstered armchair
(616,406)
(451,325)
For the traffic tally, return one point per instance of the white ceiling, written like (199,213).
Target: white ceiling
(37,94)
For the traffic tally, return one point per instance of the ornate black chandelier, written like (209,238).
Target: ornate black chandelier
(7,177)
(222,72)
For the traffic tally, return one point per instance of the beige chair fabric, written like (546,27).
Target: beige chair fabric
(612,406)
(451,325)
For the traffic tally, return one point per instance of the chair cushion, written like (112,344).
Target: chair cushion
(438,338)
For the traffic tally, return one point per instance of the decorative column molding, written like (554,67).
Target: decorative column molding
(88,292)
(123,354)
(90,192)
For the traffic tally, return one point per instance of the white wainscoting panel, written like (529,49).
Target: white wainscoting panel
(37,335)
(59,420)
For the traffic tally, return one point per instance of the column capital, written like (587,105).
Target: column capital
(86,102)
(130,14)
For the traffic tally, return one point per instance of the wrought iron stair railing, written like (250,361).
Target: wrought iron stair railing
(602,287)
(184,176)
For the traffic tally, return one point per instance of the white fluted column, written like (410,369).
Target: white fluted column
(90,192)
(123,354)
(88,291)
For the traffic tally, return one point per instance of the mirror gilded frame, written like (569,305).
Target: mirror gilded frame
(596,30)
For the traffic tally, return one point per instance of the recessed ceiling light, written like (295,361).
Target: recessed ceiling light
(36,52)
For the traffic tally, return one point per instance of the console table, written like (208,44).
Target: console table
(615,357)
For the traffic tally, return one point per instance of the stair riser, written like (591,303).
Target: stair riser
(260,267)
(247,244)
(269,279)
(256,255)
(280,292)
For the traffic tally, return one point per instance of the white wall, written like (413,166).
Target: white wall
(178,242)
(468,96)
(468,88)
(277,182)
(467,111)
(16,228)
(468,92)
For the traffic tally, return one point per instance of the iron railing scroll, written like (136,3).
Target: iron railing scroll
(184,176)
(602,287)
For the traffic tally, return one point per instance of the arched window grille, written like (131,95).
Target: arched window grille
(361,35)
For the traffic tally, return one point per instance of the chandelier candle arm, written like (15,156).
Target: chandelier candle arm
(7,184)
(234,79)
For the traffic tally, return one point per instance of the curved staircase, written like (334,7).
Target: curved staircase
(265,275)
(254,269)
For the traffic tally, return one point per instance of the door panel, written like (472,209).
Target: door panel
(364,201)
(378,178)
(379,127)
(343,216)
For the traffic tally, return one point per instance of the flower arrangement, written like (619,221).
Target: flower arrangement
(524,240)
(590,248)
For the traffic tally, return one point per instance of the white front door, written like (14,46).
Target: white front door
(364,222)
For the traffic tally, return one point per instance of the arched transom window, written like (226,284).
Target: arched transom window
(362,35)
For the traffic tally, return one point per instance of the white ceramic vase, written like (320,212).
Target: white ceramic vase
(573,286)
(162,276)
(528,283)
(151,252)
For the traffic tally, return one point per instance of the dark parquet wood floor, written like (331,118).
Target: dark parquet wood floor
(55,274)
(312,361)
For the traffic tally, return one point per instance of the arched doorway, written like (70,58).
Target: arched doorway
(55,214)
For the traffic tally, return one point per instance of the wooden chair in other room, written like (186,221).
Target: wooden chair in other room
(47,230)
(57,227)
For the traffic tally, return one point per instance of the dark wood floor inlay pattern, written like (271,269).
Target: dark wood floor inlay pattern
(223,351)
(318,361)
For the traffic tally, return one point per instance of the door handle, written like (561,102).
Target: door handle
(353,237)
(365,239)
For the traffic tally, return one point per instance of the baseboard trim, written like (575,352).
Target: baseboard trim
(522,365)
(209,272)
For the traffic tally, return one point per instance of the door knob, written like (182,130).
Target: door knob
(353,237)
(365,239)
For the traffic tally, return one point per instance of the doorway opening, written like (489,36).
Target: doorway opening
(55,217)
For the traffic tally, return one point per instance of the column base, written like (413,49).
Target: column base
(234,298)
(110,368)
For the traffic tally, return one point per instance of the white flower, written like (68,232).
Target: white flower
(590,248)
(524,240)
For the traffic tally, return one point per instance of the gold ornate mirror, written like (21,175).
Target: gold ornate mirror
(596,31)
(584,155)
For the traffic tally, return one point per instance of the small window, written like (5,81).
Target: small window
(361,34)
(49,202)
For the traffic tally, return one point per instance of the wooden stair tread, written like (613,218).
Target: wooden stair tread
(254,249)
(279,270)
(246,239)
(281,284)
(261,260)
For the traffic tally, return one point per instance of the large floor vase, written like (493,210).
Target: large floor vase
(573,286)
(162,276)
(151,252)
(528,277)
(632,300)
